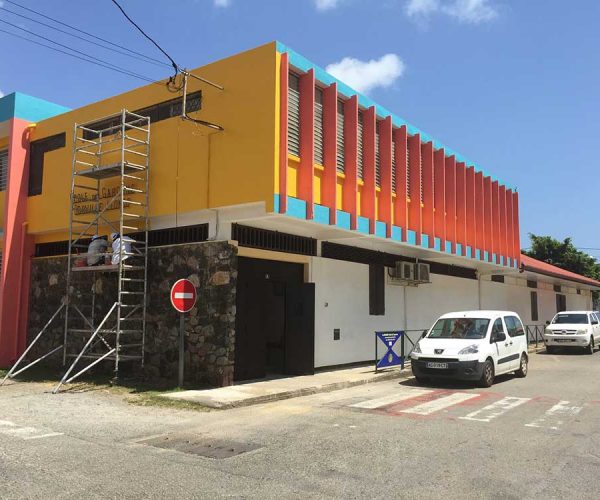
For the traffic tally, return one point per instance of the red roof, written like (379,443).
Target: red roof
(537,266)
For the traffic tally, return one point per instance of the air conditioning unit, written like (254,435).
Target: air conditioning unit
(422,273)
(405,271)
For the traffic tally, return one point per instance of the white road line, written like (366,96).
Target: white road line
(42,436)
(12,429)
(392,398)
(6,423)
(440,403)
(555,416)
(19,431)
(494,410)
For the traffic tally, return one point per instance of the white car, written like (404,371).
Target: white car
(472,345)
(573,329)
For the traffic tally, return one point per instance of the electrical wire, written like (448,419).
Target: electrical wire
(124,53)
(105,63)
(173,63)
(84,32)
(113,68)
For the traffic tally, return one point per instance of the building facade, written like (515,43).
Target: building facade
(291,221)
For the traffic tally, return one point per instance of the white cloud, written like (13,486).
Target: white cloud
(464,11)
(364,76)
(220,3)
(326,4)
(1,93)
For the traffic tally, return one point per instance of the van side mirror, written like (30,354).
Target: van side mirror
(594,322)
(547,322)
(424,334)
(499,337)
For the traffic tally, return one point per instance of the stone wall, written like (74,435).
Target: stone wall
(210,326)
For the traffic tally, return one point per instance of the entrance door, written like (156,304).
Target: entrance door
(300,329)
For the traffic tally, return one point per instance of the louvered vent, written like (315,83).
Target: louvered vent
(377,158)
(407,172)
(340,137)
(361,174)
(294,115)
(421,177)
(3,169)
(394,165)
(318,148)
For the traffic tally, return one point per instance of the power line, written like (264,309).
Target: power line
(84,32)
(124,53)
(113,68)
(173,63)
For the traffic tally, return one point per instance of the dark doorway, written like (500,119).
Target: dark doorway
(274,320)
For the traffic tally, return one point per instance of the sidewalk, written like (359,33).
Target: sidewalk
(263,391)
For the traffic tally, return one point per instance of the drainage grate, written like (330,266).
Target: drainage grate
(197,445)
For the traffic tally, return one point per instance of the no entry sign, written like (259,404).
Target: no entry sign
(183,295)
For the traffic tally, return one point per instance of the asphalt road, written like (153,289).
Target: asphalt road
(537,437)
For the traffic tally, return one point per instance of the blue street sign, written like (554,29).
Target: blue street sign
(390,358)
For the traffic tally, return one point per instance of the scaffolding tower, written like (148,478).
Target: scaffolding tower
(105,305)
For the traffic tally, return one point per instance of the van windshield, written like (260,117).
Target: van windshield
(572,319)
(459,328)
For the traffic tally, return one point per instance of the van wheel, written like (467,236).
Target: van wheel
(590,348)
(487,377)
(523,367)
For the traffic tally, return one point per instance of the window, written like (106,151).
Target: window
(318,145)
(514,326)
(459,328)
(498,327)
(570,319)
(341,145)
(361,174)
(377,157)
(156,112)
(376,290)
(498,278)
(3,169)
(294,115)
(557,288)
(534,306)
(561,302)
(532,283)
(394,165)
(37,151)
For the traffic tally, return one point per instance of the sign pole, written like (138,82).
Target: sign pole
(181,346)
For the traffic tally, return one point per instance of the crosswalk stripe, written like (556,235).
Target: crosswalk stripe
(392,398)
(490,412)
(555,416)
(440,403)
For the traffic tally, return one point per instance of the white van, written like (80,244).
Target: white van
(573,329)
(472,345)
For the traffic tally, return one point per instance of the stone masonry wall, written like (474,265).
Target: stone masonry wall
(210,326)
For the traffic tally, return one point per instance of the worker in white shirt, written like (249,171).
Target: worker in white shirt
(117,243)
(96,250)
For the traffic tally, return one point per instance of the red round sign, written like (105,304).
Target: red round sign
(183,295)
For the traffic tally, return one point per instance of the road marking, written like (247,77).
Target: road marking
(490,412)
(555,416)
(440,403)
(26,433)
(392,398)
(42,436)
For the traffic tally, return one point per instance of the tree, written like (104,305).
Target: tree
(564,255)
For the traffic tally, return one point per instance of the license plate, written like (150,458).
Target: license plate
(564,340)
(441,366)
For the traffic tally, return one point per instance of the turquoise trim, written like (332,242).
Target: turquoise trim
(494,258)
(396,233)
(468,251)
(343,219)
(380,229)
(296,208)
(478,254)
(509,264)
(411,237)
(321,214)
(424,240)
(437,244)
(276,203)
(448,246)
(28,108)
(325,78)
(458,250)
(362,225)
(486,256)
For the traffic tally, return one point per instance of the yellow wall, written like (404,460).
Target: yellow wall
(192,167)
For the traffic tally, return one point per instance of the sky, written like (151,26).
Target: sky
(513,85)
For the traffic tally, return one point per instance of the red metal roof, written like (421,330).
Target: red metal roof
(537,266)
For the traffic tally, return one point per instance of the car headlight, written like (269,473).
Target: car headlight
(547,331)
(581,332)
(417,349)
(472,349)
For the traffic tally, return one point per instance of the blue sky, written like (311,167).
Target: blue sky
(511,84)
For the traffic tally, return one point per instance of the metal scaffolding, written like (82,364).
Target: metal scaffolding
(105,318)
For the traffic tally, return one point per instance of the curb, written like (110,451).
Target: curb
(307,391)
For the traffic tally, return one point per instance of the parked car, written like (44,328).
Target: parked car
(472,345)
(573,329)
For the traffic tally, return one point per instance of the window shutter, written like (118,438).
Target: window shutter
(294,115)
(3,169)
(407,172)
(318,147)
(340,137)
(377,157)
(360,146)
(394,165)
